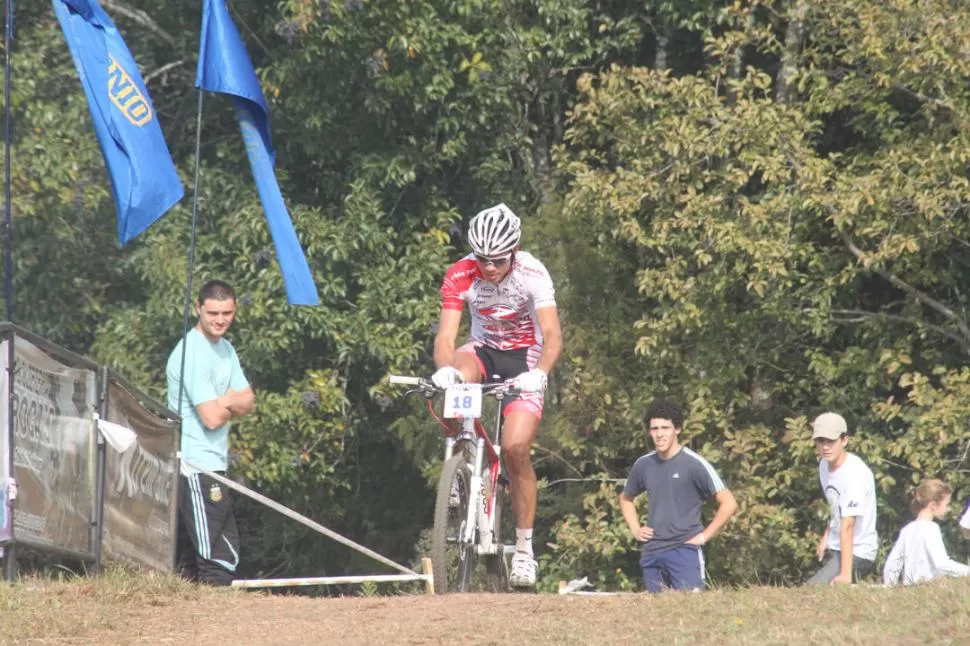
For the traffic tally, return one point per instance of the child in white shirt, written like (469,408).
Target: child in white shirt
(919,554)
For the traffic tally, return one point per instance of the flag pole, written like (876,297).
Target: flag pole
(10,561)
(7,212)
(188,279)
(192,236)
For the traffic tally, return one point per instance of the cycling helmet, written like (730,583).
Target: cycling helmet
(494,232)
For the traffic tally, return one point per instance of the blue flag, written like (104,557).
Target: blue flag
(143,178)
(225,67)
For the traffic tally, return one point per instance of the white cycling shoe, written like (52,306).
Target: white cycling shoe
(523,572)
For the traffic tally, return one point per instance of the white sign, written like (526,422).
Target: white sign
(5,499)
(463,400)
(53,449)
(139,486)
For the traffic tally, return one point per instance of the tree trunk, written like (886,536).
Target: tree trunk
(736,70)
(661,61)
(794,36)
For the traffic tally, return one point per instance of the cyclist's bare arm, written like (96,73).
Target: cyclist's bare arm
(444,342)
(551,338)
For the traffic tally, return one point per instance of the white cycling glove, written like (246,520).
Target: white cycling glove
(533,381)
(445,377)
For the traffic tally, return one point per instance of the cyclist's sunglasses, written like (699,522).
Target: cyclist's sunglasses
(498,262)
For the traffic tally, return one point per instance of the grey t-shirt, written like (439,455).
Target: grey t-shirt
(676,491)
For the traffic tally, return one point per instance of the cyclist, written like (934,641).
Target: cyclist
(515,335)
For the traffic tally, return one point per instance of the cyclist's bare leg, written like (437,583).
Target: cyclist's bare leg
(518,433)
(467,365)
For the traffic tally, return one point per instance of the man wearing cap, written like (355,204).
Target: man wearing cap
(849,544)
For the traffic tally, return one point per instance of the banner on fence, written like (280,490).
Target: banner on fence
(4,446)
(53,448)
(139,487)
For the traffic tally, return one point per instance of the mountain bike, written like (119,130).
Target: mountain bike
(471,490)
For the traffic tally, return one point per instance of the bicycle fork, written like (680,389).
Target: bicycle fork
(479,501)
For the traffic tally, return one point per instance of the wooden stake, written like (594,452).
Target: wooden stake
(428,572)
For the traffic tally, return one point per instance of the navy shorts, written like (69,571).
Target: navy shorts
(679,568)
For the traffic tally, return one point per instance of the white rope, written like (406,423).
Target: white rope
(327,580)
(289,513)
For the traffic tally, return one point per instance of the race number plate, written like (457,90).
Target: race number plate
(463,400)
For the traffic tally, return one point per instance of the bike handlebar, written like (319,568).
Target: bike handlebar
(426,384)
(406,381)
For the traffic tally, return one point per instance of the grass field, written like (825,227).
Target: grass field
(125,608)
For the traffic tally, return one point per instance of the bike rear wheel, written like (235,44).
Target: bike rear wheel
(451,560)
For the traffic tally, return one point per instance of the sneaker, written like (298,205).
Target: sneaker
(523,572)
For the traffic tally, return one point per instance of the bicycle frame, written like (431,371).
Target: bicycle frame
(481,507)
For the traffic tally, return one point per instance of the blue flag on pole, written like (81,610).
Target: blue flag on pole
(225,67)
(144,181)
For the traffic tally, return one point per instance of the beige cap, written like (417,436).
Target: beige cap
(830,426)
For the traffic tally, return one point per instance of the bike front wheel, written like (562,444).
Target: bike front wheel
(451,559)
(496,567)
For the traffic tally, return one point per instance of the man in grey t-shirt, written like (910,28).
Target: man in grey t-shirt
(677,482)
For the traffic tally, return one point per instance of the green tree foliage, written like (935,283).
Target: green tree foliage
(793,256)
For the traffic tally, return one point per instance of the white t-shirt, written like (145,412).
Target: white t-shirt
(851,491)
(920,555)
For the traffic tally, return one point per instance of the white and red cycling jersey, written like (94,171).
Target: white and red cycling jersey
(504,314)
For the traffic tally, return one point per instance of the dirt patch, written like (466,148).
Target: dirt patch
(175,613)
(462,619)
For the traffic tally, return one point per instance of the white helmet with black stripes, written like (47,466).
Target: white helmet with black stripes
(495,231)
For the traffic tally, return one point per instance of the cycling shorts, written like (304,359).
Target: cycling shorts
(499,365)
